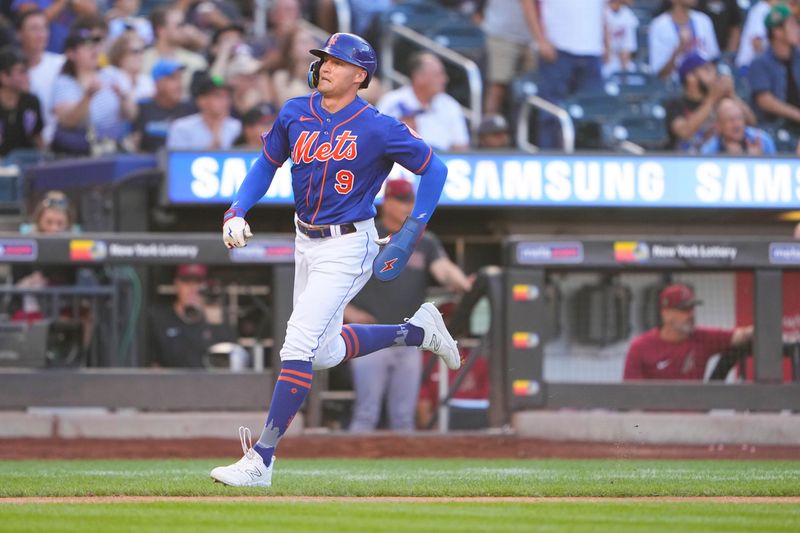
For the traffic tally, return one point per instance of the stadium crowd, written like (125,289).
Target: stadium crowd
(82,77)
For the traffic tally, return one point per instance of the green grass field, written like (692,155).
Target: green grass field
(429,477)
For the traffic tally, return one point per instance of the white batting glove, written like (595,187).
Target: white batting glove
(235,230)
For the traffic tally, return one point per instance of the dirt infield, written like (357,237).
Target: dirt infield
(401,499)
(382,445)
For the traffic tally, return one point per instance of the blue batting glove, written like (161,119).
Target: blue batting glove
(392,258)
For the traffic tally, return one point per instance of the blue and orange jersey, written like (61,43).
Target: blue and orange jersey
(340,160)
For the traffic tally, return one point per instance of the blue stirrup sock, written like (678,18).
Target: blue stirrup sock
(291,388)
(363,339)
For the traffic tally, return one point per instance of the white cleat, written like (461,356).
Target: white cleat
(249,471)
(436,339)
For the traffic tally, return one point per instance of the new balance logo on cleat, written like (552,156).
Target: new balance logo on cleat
(436,337)
(253,473)
(436,343)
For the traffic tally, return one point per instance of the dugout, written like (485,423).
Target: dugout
(580,365)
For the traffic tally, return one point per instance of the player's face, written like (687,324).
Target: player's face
(337,78)
(679,320)
(395,211)
(189,291)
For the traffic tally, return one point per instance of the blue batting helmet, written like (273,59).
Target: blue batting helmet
(346,47)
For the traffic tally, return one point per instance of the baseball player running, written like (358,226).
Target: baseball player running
(341,149)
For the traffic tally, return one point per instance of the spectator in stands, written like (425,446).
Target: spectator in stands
(169,30)
(508,49)
(43,65)
(61,14)
(291,78)
(678,349)
(726,16)
(125,71)
(212,128)
(396,371)
(425,107)
(7,29)
(181,334)
(249,82)
(226,43)
(283,20)
(52,215)
(754,34)
(89,108)
(366,15)
(675,34)
(689,117)
(21,121)
(621,25)
(124,16)
(734,136)
(210,15)
(156,114)
(255,123)
(570,54)
(775,75)
(493,132)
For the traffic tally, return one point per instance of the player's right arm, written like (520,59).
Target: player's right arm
(275,150)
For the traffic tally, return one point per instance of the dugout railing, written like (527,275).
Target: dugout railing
(525,317)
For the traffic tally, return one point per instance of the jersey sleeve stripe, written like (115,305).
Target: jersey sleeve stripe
(325,171)
(295,381)
(264,149)
(425,164)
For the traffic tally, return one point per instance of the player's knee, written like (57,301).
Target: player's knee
(329,355)
(325,361)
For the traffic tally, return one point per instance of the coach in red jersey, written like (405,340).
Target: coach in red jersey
(678,349)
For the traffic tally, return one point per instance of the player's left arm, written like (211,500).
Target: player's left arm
(395,254)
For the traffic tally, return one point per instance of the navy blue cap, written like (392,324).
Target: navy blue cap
(691,62)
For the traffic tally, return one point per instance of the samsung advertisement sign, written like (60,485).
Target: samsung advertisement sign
(526,180)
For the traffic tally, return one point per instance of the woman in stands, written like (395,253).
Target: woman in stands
(89,108)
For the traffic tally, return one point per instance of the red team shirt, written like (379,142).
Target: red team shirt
(650,357)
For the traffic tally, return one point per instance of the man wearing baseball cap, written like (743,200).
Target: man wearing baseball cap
(167,105)
(213,128)
(690,116)
(775,75)
(395,372)
(180,334)
(679,349)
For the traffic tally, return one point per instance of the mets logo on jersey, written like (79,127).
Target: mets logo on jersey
(343,148)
